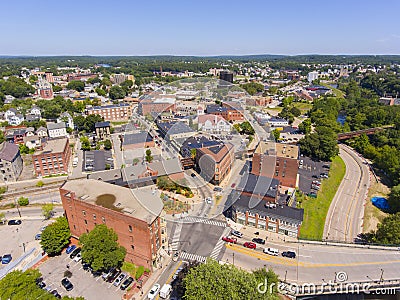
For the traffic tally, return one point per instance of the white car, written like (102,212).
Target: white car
(154,291)
(271,251)
(208,200)
(78,257)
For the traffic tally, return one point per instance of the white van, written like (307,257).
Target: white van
(165,291)
(271,251)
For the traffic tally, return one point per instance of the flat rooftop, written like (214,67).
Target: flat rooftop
(53,146)
(118,198)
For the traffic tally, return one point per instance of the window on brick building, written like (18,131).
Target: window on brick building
(74,227)
(86,222)
(103,219)
(84,212)
(133,247)
(94,216)
(130,228)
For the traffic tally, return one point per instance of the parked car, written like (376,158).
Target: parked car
(107,274)
(119,279)
(237,233)
(193,175)
(6,258)
(55,294)
(250,245)
(233,185)
(38,236)
(177,273)
(67,284)
(113,275)
(70,249)
(176,256)
(75,252)
(86,267)
(259,241)
(323,175)
(208,200)
(41,284)
(290,254)
(154,291)
(315,176)
(229,239)
(78,257)
(43,228)
(14,222)
(126,283)
(217,189)
(271,251)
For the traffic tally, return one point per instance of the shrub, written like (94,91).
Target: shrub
(139,272)
(23,201)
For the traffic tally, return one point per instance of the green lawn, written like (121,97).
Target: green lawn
(316,209)
(337,92)
(304,107)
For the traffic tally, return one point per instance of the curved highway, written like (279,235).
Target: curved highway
(345,216)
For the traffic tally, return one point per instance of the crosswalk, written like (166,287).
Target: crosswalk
(193,257)
(177,234)
(217,249)
(204,221)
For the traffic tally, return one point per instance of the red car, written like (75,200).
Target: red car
(229,240)
(250,245)
(233,185)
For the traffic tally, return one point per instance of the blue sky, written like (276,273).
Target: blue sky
(203,27)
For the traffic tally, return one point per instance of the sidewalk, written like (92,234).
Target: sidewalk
(151,280)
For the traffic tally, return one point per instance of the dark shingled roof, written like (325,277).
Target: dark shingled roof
(8,151)
(102,124)
(137,138)
(259,185)
(171,128)
(243,203)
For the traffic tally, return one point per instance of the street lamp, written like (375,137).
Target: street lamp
(381,279)
(16,204)
(285,275)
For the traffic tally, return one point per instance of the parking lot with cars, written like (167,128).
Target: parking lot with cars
(84,282)
(21,237)
(311,174)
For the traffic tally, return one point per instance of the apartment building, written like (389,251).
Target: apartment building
(135,215)
(115,112)
(53,158)
(10,162)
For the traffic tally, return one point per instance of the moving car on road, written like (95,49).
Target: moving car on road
(290,254)
(271,251)
(258,241)
(250,245)
(154,291)
(229,240)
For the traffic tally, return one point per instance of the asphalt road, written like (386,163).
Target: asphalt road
(344,218)
(318,263)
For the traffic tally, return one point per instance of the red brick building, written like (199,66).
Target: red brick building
(228,111)
(53,159)
(117,112)
(138,223)
(148,106)
(277,161)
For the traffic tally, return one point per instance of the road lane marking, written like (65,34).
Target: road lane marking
(283,261)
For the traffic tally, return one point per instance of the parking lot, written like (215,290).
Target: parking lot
(84,283)
(307,170)
(18,238)
(98,160)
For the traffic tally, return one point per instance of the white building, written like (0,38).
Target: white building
(278,122)
(213,124)
(312,76)
(57,130)
(67,118)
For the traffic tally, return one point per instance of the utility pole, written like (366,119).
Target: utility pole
(16,204)
(233,258)
(381,279)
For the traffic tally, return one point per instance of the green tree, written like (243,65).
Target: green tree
(79,122)
(305,126)
(135,161)
(85,143)
(57,88)
(149,157)
(388,231)
(2,217)
(100,92)
(394,199)
(205,281)
(76,85)
(90,122)
(107,145)
(22,285)
(56,236)
(100,248)
(116,92)
(253,87)
(321,144)
(47,210)
(40,183)
(23,201)
(276,134)
(295,111)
